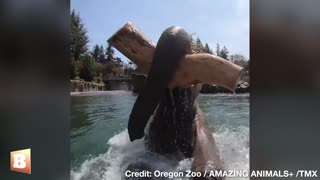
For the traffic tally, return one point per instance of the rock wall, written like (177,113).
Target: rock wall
(242,87)
(119,85)
(82,86)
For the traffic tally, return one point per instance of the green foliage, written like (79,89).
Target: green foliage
(75,67)
(99,68)
(237,58)
(109,53)
(87,71)
(198,47)
(207,49)
(78,65)
(113,69)
(242,63)
(90,66)
(78,43)
(79,38)
(128,70)
(102,56)
(98,79)
(97,54)
(199,44)
(224,53)
(218,49)
(102,63)
(110,66)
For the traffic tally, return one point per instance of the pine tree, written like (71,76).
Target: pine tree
(224,53)
(199,45)
(98,54)
(95,53)
(78,43)
(109,53)
(207,49)
(79,38)
(102,56)
(218,49)
(237,58)
(87,72)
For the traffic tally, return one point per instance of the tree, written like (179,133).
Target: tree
(239,60)
(95,53)
(79,38)
(87,72)
(98,54)
(118,60)
(102,56)
(199,45)
(109,53)
(207,49)
(78,42)
(224,53)
(237,57)
(128,70)
(218,49)
(99,68)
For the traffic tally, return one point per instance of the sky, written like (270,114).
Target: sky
(214,21)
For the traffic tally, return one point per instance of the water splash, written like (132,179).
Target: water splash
(233,145)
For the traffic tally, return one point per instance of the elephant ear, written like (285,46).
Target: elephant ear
(172,46)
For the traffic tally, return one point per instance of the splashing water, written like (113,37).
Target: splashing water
(232,141)
(233,147)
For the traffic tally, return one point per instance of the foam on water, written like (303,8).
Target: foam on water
(233,145)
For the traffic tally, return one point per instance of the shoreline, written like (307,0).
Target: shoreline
(126,91)
(98,92)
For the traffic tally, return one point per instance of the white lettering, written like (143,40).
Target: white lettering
(19,161)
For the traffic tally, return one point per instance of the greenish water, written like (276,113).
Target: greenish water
(100,147)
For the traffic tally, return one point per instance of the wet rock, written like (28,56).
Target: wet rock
(82,86)
(242,87)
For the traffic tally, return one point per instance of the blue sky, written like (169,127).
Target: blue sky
(222,21)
